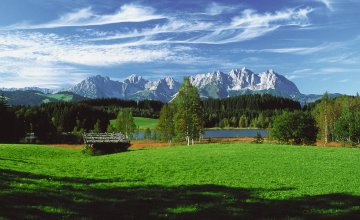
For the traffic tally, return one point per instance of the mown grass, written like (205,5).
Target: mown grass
(209,181)
(144,123)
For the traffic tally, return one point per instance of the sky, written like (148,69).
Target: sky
(58,43)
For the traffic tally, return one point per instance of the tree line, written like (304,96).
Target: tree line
(66,121)
(338,119)
(184,119)
(252,110)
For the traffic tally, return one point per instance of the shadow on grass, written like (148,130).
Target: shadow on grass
(16,160)
(24,195)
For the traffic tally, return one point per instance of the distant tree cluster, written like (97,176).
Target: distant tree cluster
(244,111)
(338,119)
(67,121)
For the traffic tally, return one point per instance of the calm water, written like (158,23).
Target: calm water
(234,133)
(226,133)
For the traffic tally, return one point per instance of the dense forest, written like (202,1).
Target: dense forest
(246,110)
(66,121)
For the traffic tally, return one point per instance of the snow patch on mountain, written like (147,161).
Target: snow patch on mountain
(210,85)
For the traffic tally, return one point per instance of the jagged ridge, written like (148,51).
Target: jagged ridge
(210,85)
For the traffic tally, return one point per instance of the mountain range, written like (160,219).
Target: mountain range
(215,84)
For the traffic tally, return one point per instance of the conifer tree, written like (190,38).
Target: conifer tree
(166,123)
(97,127)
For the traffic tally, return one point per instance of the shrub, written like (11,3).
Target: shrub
(258,138)
(295,128)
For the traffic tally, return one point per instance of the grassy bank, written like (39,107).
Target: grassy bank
(144,123)
(209,181)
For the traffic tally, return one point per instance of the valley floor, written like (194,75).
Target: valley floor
(205,181)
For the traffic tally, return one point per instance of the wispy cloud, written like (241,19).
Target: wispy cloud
(296,50)
(39,54)
(24,73)
(249,25)
(87,17)
(328,4)
(35,59)
(217,9)
(300,73)
(338,70)
(53,49)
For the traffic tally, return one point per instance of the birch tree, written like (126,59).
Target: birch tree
(188,118)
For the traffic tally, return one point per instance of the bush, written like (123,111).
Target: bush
(106,148)
(295,128)
(258,138)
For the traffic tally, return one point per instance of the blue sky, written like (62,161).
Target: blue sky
(57,43)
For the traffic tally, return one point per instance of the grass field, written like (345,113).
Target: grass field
(208,181)
(58,97)
(144,123)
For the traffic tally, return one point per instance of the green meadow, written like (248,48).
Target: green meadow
(205,181)
(144,123)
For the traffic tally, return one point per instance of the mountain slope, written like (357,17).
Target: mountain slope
(219,85)
(98,87)
(210,85)
(134,87)
(31,97)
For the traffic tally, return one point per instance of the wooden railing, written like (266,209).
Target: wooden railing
(106,142)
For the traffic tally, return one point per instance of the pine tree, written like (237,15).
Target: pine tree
(97,128)
(3,105)
(166,123)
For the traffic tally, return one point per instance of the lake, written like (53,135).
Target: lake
(234,133)
(226,133)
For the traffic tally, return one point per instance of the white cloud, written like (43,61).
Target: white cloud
(217,9)
(87,17)
(34,59)
(334,70)
(23,73)
(328,4)
(306,70)
(39,58)
(248,26)
(174,25)
(251,25)
(52,48)
(296,50)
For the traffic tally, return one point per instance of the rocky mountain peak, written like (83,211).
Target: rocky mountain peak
(214,84)
(135,79)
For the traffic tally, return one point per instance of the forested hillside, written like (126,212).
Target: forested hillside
(33,97)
